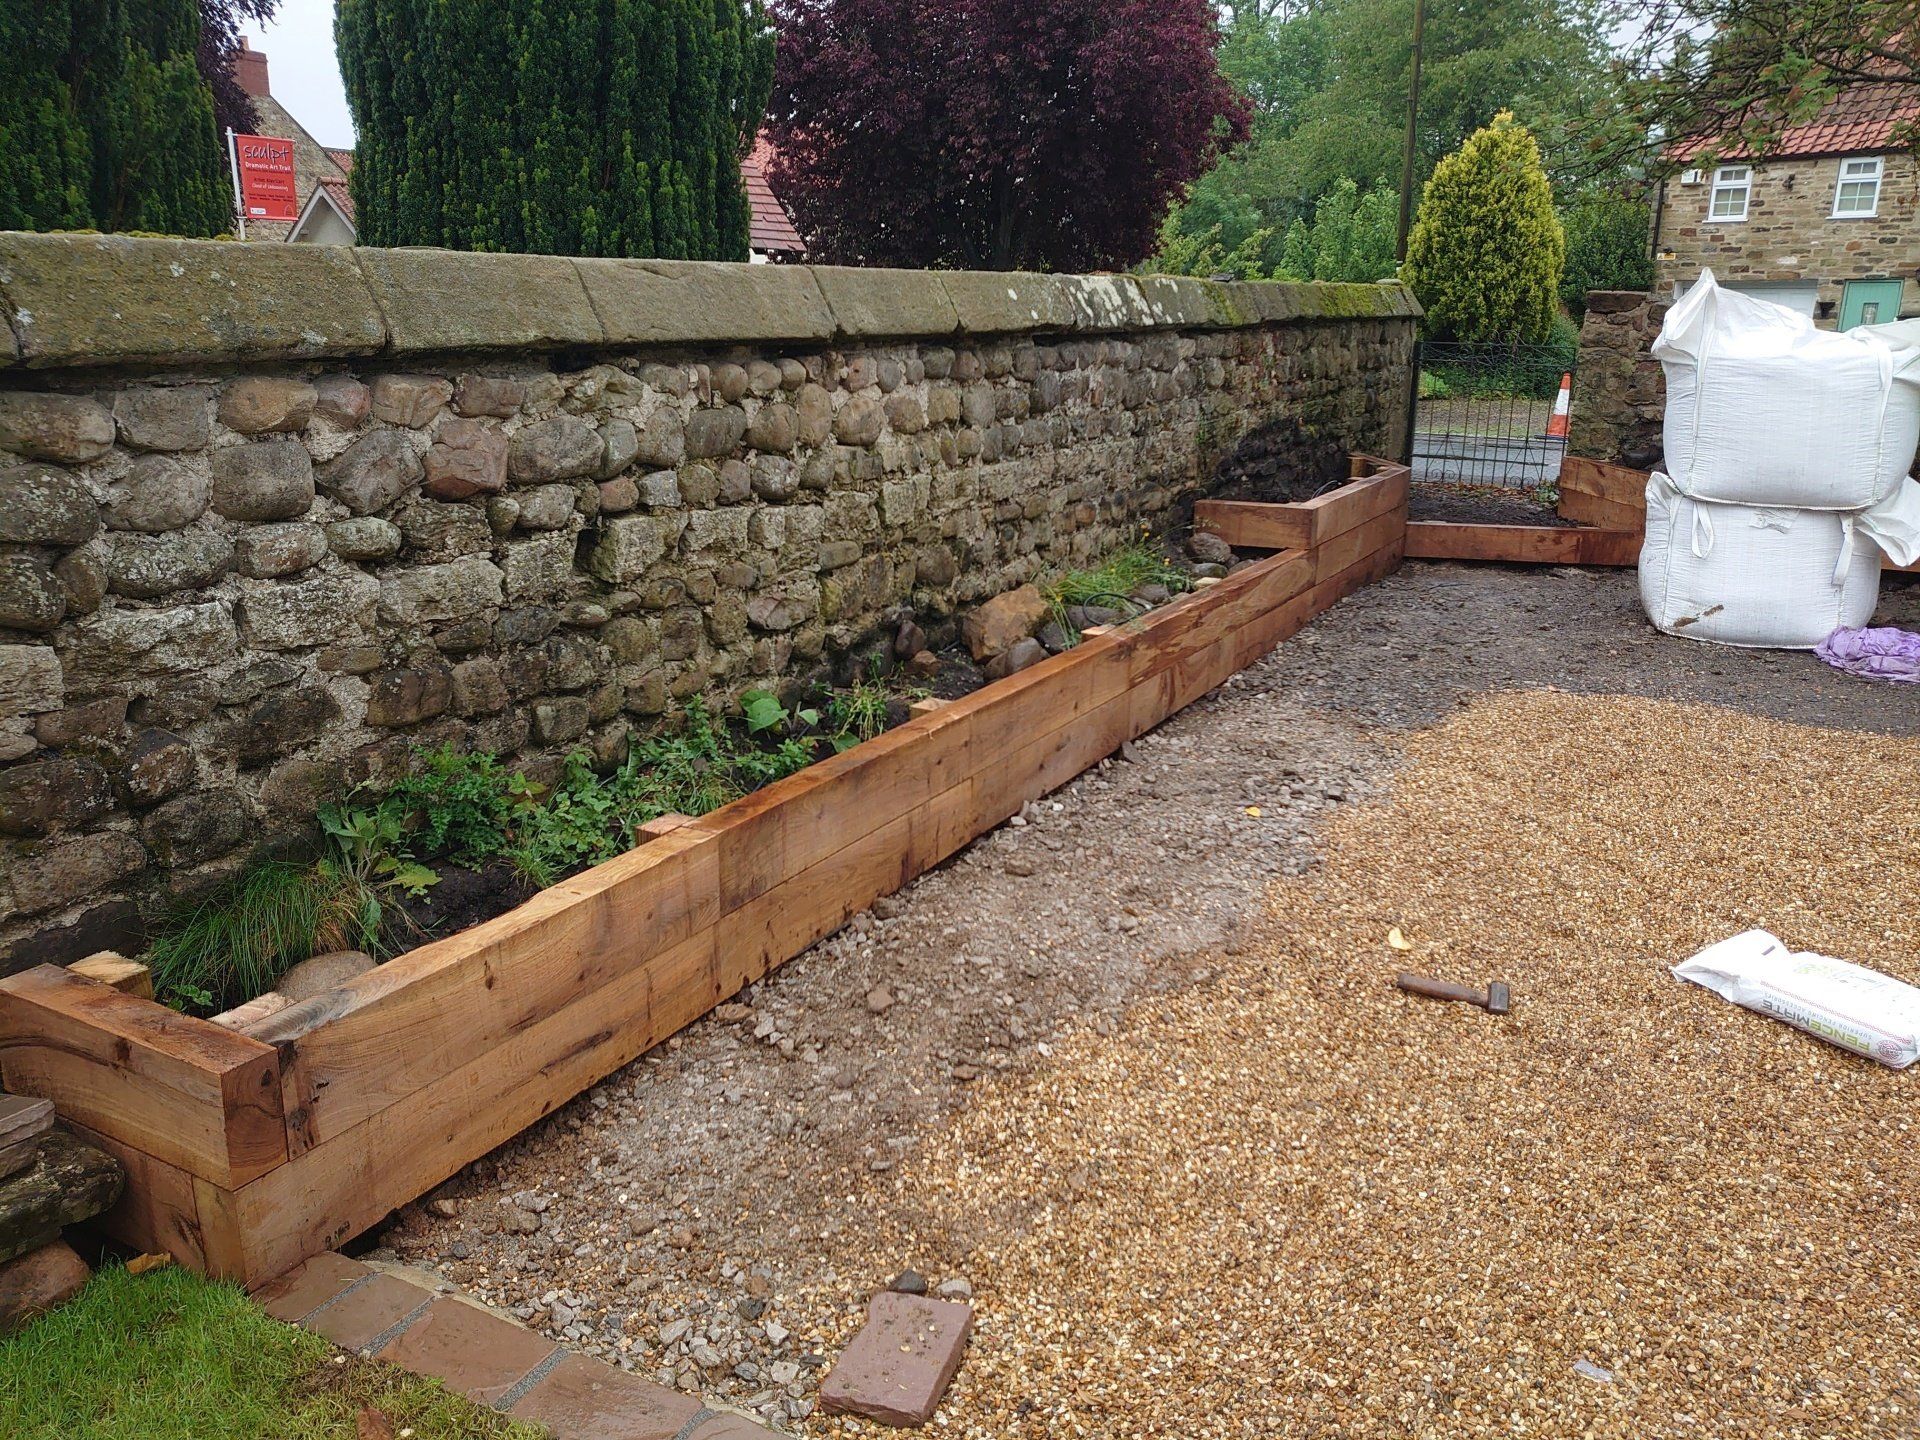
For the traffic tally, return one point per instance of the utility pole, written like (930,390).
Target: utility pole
(1413,117)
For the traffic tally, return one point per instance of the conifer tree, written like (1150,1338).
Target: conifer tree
(105,122)
(564,127)
(1486,254)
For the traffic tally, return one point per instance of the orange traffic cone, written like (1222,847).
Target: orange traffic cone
(1557,426)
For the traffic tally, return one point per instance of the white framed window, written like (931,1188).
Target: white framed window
(1857,196)
(1732,184)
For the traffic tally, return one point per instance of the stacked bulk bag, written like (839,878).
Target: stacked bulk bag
(1787,451)
(1753,575)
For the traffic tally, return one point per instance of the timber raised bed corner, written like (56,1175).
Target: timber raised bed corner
(248,1151)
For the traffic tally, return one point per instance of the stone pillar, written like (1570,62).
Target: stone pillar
(1619,392)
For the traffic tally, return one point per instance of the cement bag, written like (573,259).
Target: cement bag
(1746,575)
(1860,1009)
(1765,409)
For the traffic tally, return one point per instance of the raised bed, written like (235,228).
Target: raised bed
(247,1152)
(1356,514)
(1522,544)
(1602,494)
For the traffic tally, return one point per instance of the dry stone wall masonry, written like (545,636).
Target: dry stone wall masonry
(271,518)
(1619,390)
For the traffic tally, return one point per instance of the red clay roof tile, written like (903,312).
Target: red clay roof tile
(770,227)
(1859,120)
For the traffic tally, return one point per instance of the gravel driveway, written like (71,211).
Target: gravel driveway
(716,1214)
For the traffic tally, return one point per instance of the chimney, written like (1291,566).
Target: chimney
(250,69)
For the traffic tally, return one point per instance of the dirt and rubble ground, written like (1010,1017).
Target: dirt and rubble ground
(1481,505)
(1132,1075)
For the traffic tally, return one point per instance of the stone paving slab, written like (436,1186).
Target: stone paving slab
(300,1292)
(899,1365)
(402,1318)
(587,1400)
(482,1355)
(368,1313)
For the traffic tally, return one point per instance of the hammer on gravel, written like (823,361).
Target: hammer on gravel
(1494,999)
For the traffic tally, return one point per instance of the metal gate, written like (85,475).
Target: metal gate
(1485,414)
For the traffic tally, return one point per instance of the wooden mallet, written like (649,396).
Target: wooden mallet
(1495,999)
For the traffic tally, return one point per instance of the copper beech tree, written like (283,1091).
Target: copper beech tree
(995,134)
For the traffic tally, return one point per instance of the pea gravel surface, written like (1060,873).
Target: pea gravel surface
(1289,1200)
(1131,1072)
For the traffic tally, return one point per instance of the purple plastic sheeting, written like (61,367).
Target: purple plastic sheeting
(1885,653)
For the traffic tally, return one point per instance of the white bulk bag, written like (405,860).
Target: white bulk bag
(1894,524)
(1763,408)
(1861,1009)
(1748,575)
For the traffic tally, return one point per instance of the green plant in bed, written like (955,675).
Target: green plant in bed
(466,806)
(1111,583)
(858,714)
(238,940)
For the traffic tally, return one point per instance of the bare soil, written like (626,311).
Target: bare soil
(732,1179)
(1283,463)
(1480,505)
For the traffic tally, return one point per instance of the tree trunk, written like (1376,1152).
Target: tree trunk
(1003,222)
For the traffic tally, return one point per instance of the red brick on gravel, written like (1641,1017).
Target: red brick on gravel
(900,1364)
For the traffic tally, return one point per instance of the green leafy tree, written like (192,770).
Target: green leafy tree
(1487,253)
(1206,254)
(1607,247)
(1328,83)
(1731,75)
(105,122)
(562,127)
(1350,238)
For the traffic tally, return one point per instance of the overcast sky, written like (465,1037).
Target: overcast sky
(302,69)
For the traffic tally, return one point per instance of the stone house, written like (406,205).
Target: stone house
(1828,222)
(326,206)
(319,173)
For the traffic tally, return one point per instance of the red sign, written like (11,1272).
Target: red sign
(267,189)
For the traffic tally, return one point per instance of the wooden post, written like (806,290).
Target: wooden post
(129,977)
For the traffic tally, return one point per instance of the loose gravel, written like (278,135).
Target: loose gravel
(1175,1146)
(1289,1200)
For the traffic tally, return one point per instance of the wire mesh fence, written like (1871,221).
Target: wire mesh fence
(1485,414)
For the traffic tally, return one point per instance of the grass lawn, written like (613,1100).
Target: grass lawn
(170,1356)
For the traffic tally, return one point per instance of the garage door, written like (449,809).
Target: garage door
(1794,294)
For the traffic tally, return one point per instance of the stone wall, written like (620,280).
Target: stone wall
(273,517)
(1619,392)
(1790,232)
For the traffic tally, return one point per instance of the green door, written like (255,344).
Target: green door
(1869,302)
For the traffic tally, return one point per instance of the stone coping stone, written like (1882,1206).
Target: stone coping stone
(85,300)
(684,302)
(1005,302)
(114,299)
(450,300)
(872,304)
